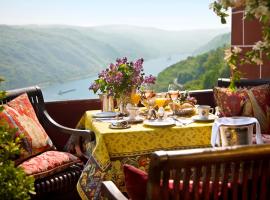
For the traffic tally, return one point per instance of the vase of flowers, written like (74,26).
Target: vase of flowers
(120,79)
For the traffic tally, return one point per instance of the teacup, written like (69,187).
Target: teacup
(133,112)
(204,110)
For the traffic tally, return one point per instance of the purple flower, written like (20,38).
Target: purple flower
(121,77)
(149,79)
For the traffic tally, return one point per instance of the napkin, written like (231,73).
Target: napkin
(215,137)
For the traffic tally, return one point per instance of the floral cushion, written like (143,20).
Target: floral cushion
(230,103)
(252,102)
(24,119)
(258,105)
(48,163)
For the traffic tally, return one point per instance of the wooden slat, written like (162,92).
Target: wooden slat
(224,187)
(196,182)
(176,184)
(254,180)
(246,172)
(216,182)
(206,183)
(165,190)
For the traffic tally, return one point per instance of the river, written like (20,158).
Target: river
(78,89)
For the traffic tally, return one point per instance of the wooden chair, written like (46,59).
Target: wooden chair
(61,185)
(240,172)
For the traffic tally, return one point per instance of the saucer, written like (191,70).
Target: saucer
(134,121)
(119,127)
(209,119)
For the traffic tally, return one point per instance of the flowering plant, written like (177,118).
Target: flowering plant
(253,9)
(121,78)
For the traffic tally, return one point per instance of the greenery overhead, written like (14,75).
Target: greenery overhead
(198,72)
(55,54)
(258,10)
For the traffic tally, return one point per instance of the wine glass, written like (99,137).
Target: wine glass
(147,90)
(160,99)
(173,91)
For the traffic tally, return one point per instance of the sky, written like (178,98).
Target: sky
(163,14)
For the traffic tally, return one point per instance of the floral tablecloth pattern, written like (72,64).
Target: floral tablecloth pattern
(115,147)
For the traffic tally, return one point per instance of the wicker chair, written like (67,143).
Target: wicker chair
(61,185)
(240,172)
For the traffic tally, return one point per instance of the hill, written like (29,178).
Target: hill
(50,54)
(216,42)
(199,72)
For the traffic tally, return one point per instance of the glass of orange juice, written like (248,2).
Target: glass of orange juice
(160,99)
(135,98)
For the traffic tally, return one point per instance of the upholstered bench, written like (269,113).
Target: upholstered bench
(56,171)
(251,98)
(239,172)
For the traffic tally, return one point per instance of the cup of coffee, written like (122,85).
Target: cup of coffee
(204,110)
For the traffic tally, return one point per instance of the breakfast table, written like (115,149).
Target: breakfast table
(132,145)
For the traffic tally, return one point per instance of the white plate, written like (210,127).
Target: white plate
(156,122)
(236,121)
(209,119)
(105,114)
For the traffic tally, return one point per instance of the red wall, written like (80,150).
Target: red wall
(244,34)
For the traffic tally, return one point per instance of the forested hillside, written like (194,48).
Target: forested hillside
(199,72)
(54,54)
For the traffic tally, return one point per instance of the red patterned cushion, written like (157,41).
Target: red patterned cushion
(252,102)
(22,116)
(229,102)
(136,182)
(258,105)
(48,163)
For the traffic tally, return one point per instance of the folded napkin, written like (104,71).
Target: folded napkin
(234,121)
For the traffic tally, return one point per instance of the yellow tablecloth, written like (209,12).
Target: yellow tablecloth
(140,139)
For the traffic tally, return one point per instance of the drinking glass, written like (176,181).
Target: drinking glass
(135,98)
(173,91)
(147,90)
(160,99)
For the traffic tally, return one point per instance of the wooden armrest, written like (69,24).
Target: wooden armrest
(109,190)
(50,123)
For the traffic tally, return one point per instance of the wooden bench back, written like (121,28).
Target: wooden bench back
(35,96)
(212,173)
(225,82)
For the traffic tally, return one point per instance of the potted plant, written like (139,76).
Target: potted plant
(121,78)
(14,184)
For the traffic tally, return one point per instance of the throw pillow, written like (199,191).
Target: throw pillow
(252,102)
(21,115)
(48,163)
(136,182)
(230,103)
(258,105)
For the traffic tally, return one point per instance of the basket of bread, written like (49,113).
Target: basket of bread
(182,109)
(185,105)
